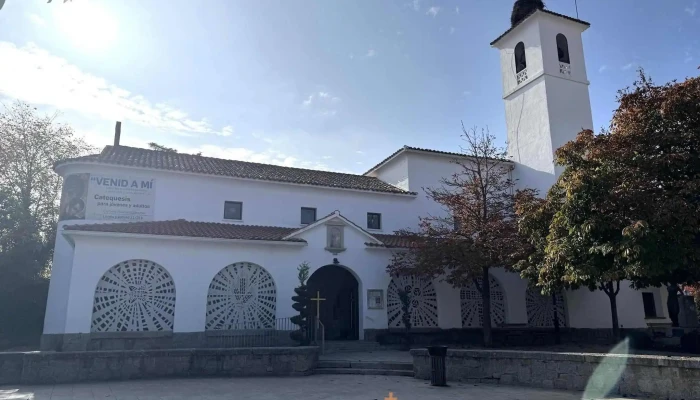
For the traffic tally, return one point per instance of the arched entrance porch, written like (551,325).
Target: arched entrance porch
(339,312)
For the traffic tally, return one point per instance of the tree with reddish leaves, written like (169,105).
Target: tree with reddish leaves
(477,230)
(626,206)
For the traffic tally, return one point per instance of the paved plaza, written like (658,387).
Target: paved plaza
(316,387)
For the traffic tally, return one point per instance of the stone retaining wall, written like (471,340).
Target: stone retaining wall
(674,378)
(98,341)
(68,367)
(502,336)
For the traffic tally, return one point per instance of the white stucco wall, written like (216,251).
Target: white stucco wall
(196,197)
(193,264)
(592,309)
(59,286)
(395,172)
(528,33)
(550,108)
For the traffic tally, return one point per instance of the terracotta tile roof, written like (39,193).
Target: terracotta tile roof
(136,157)
(185,228)
(419,149)
(531,14)
(391,241)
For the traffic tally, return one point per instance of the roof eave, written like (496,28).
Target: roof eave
(398,192)
(334,214)
(546,12)
(70,233)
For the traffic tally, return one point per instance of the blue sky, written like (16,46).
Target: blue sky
(334,85)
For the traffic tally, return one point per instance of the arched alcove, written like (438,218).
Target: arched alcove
(134,296)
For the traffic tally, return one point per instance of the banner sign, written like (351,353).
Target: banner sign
(108,198)
(120,198)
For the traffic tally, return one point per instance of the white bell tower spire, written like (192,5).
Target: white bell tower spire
(545,89)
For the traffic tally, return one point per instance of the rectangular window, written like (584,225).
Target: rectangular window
(374,221)
(233,210)
(649,305)
(308,215)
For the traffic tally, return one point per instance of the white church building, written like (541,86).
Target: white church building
(159,244)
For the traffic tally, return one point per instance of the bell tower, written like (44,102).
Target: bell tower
(545,89)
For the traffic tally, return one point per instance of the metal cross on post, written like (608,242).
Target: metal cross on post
(318,301)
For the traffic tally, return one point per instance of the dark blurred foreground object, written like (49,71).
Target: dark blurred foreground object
(523,8)
(690,342)
(438,370)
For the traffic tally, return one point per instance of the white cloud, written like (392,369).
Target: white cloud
(457,9)
(226,131)
(320,97)
(327,157)
(691,10)
(688,57)
(602,68)
(36,20)
(416,5)
(371,53)
(452,30)
(321,104)
(627,67)
(360,152)
(399,33)
(433,11)
(466,93)
(34,75)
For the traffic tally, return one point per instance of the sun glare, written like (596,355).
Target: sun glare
(87,24)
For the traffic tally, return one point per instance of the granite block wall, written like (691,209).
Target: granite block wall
(69,367)
(673,378)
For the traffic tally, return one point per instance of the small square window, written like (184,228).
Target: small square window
(308,215)
(649,305)
(233,210)
(374,221)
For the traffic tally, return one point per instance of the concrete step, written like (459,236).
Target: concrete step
(360,371)
(387,365)
(352,347)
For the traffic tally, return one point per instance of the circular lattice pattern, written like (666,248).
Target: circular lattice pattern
(135,295)
(473,306)
(540,309)
(241,296)
(422,302)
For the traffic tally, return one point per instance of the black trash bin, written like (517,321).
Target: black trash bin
(438,371)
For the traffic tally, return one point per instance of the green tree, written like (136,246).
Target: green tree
(29,192)
(534,219)
(478,230)
(159,147)
(302,305)
(626,206)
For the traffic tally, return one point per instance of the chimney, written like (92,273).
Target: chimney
(117,133)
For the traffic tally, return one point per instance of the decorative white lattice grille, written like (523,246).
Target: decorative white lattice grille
(565,69)
(473,306)
(135,295)
(521,76)
(423,302)
(241,296)
(540,310)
